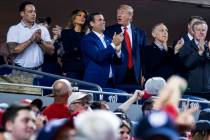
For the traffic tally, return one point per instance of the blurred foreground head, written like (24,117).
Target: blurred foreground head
(97,125)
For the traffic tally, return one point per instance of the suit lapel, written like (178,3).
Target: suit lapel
(194,45)
(133,39)
(98,41)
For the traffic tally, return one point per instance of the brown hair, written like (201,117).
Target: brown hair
(74,13)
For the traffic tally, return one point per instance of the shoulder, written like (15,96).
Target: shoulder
(15,27)
(43,28)
(139,30)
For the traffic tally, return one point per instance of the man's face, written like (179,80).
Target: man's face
(29,14)
(123,17)
(160,33)
(200,31)
(23,126)
(80,105)
(98,24)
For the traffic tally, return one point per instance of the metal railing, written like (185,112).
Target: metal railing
(74,81)
(99,92)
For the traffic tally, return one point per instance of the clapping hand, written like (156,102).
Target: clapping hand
(117,40)
(179,45)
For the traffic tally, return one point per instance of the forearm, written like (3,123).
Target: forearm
(47,47)
(125,106)
(16,48)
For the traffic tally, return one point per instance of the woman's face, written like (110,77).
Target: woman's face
(80,18)
(124,133)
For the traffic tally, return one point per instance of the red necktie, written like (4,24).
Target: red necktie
(128,45)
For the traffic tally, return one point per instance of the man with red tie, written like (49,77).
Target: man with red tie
(129,72)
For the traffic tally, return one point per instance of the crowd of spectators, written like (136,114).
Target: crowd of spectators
(116,56)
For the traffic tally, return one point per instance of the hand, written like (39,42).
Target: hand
(36,36)
(179,45)
(40,121)
(117,39)
(185,120)
(138,94)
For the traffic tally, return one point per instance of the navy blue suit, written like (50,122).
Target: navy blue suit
(98,59)
(139,40)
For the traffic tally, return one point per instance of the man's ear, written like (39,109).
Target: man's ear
(153,34)
(22,13)
(9,126)
(91,23)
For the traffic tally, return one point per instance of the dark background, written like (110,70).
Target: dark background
(146,14)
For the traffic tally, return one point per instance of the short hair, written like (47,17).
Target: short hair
(91,17)
(127,8)
(158,24)
(195,17)
(11,113)
(198,23)
(147,105)
(23,5)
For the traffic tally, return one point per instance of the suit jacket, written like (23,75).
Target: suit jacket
(158,62)
(98,59)
(196,66)
(139,40)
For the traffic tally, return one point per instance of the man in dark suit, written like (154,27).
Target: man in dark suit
(195,59)
(187,38)
(100,52)
(134,39)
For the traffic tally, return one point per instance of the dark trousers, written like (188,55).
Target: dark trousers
(130,77)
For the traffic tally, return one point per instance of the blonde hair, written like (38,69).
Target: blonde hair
(127,8)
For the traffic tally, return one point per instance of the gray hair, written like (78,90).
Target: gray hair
(97,125)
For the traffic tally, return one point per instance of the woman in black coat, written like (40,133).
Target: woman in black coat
(71,38)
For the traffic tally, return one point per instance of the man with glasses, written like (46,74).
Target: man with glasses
(79,102)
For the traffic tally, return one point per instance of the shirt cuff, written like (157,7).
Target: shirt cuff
(113,45)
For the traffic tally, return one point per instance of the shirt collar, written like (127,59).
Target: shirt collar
(190,36)
(26,26)
(99,35)
(159,46)
(128,27)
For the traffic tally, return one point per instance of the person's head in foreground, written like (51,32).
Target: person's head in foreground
(157,126)
(97,125)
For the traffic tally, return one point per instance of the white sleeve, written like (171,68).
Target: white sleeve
(12,35)
(45,34)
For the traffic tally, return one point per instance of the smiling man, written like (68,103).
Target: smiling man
(100,52)
(19,122)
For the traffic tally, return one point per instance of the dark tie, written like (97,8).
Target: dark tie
(128,45)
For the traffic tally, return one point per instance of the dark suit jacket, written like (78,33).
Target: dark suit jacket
(196,66)
(98,59)
(158,62)
(139,40)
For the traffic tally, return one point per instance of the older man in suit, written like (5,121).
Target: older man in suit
(100,52)
(134,39)
(195,59)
